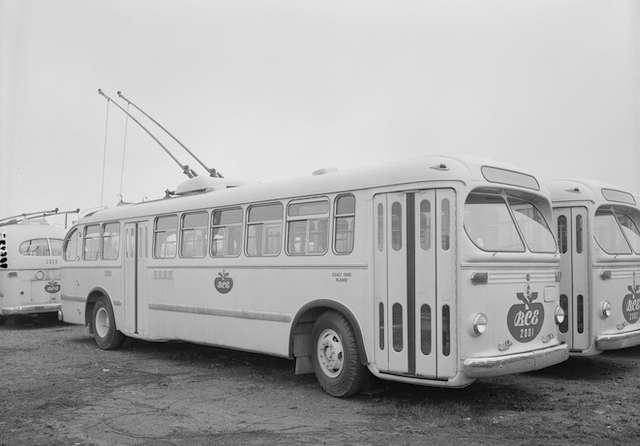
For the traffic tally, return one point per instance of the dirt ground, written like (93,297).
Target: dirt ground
(57,387)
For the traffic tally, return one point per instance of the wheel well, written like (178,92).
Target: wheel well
(300,342)
(91,302)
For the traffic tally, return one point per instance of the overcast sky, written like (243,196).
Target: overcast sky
(269,89)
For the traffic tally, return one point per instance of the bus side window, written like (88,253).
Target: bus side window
(308,228)
(380,227)
(110,241)
(579,230)
(562,233)
(226,232)
(425,225)
(35,247)
(91,250)
(345,218)
(264,230)
(396,226)
(71,246)
(193,235)
(165,237)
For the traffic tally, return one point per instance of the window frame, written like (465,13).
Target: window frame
(30,241)
(513,220)
(102,226)
(520,231)
(617,214)
(621,231)
(181,230)
(306,218)
(243,220)
(50,239)
(84,242)
(155,231)
(67,239)
(334,219)
(248,223)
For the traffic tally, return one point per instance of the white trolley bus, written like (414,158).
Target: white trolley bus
(30,254)
(599,240)
(434,272)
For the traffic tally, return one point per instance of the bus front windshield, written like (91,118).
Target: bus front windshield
(489,224)
(615,230)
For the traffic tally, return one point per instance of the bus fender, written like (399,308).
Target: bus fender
(92,298)
(300,331)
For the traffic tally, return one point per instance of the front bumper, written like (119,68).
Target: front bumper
(618,340)
(31,309)
(515,363)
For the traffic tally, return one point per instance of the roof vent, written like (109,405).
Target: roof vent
(324,171)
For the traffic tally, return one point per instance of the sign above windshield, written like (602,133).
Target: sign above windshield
(510,177)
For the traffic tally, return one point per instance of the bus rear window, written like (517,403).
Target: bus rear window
(56,246)
(534,227)
(608,234)
(35,247)
(489,225)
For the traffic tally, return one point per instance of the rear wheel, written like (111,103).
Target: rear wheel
(103,324)
(336,358)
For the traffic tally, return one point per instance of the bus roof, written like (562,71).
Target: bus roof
(32,229)
(594,191)
(468,171)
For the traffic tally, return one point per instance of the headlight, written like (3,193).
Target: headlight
(479,324)
(606,309)
(559,315)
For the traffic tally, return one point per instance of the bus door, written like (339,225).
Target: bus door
(414,285)
(574,283)
(137,250)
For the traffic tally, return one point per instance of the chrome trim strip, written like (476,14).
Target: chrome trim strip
(30,309)
(618,340)
(241,314)
(274,266)
(73,298)
(515,363)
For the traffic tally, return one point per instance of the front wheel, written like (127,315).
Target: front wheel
(336,358)
(104,326)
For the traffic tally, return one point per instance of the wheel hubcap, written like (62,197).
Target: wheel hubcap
(102,322)
(330,353)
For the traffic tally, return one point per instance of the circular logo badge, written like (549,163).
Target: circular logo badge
(223,282)
(525,319)
(52,287)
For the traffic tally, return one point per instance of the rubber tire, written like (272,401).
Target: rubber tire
(113,338)
(354,375)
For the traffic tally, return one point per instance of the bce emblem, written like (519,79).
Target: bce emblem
(525,319)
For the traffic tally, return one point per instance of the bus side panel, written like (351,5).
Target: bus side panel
(256,307)
(73,301)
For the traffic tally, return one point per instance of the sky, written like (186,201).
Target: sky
(271,89)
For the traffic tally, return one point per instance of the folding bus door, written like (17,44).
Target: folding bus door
(137,250)
(574,267)
(414,285)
